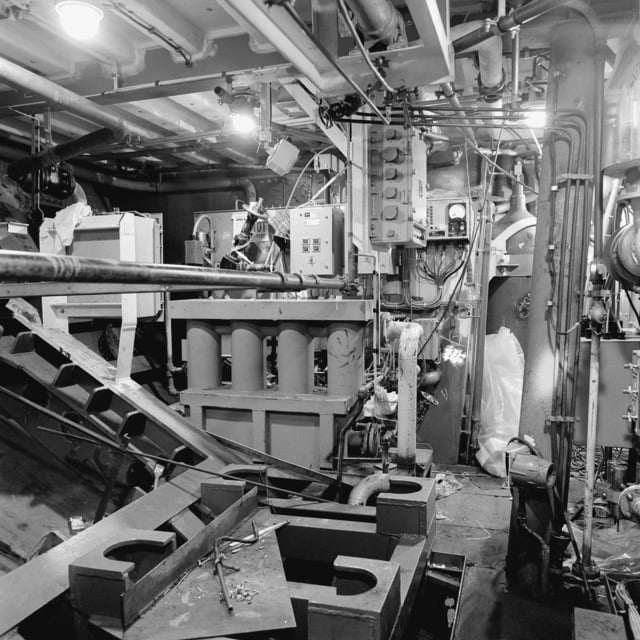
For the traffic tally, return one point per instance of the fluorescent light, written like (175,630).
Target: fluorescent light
(243,122)
(80,20)
(535,119)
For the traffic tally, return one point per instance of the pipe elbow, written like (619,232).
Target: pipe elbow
(369,486)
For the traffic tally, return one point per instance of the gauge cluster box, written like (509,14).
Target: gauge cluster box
(398,170)
(449,219)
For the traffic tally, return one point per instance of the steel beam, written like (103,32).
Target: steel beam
(160,78)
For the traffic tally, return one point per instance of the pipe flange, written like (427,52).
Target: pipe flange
(629,503)
(492,94)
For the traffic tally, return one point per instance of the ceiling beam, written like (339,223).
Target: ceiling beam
(161,77)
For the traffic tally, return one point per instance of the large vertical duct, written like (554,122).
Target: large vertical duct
(559,265)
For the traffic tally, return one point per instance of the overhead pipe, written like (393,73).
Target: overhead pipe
(203,183)
(491,78)
(379,20)
(51,156)
(54,94)
(409,335)
(520,16)
(38,267)
(491,74)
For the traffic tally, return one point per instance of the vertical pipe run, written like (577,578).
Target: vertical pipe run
(596,300)
(204,353)
(345,359)
(594,383)
(247,357)
(293,358)
(515,68)
(409,334)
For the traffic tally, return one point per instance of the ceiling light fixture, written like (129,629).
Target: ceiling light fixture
(242,107)
(80,20)
(243,122)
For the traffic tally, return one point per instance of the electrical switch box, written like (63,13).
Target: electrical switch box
(316,240)
(398,169)
(449,219)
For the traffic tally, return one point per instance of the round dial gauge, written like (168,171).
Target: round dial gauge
(457,211)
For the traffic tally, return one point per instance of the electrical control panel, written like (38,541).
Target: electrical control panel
(449,219)
(316,240)
(398,169)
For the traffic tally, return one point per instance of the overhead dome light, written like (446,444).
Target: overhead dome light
(80,20)
(243,122)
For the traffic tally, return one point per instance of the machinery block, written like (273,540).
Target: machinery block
(219,494)
(98,580)
(409,508)
(363,604)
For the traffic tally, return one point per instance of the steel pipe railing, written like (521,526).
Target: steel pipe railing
(34,267)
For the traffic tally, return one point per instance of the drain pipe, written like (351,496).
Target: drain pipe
(371,485)
(409,335)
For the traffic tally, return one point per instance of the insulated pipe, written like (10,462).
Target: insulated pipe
(204,355)
(193,184)
(409,334)
(450,94)
(54,94)
(489,56)
(39,267)
(526,13)
(53,155)
(371,485)
(378,19)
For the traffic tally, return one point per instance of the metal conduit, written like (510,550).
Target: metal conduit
(25,266)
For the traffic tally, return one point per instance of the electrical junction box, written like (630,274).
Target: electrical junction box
(398,169)
(449,219)
(282,157)
(316,240)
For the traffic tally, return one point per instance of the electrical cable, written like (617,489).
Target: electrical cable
(149,28)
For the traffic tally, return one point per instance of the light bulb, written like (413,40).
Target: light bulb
(80,20)
(243,122)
